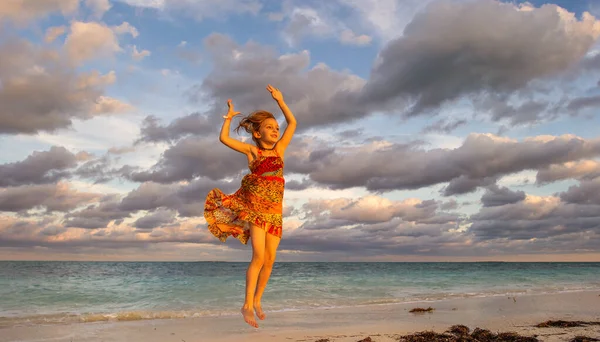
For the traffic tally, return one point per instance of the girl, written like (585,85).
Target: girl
(254,211)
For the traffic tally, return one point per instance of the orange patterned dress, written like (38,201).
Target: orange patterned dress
(258,201)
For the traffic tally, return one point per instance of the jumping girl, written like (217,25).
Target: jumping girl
(254,211)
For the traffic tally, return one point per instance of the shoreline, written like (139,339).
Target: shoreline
(174,314)
(498,314)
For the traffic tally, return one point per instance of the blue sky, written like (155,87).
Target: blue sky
(427,130)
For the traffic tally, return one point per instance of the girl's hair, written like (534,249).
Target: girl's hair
(252,122)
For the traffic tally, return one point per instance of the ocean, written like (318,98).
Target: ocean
(33,292)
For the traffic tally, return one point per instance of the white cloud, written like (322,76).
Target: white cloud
(386,18)
(139,55)
(22,11)
(90,41)
(109,105)
(351,38)
(54,32)
(317,22)
(200,9)
(125,27)
(98,6)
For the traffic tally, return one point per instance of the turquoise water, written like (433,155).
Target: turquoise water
(36,292)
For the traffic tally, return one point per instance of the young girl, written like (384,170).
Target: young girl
(254,211)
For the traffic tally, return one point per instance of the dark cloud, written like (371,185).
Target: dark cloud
(499,108)
(444,126)
(535,219)
(101,169)
(480,158)
(193,124)
(155,219)
(549,223)
(582,103)
(51,197)
(298,185)
(351,133)
(446,53)
(38,168)
(192,157)
(97,215)
(496,196)
(465,184)
(587,192)
(40,92)
(584,169)
(451,204)
(187,200)
(317,95)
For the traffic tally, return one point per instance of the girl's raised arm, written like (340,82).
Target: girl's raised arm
(226,139)
(283,143)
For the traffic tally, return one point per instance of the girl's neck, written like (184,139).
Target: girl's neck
(260,146)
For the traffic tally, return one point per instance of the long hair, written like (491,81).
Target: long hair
(252,122)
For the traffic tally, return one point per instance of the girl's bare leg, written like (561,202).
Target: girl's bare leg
(257,237)
(271,244)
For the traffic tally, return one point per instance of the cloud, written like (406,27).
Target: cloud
(548,220)
(317,22)
(38,168)
(351,38)
(464,184)
(109,105)
(192,157)
(385,18)
(318,95)
(139,55)
(93,40)
(373,225)
(41,92)
(97,215)
(578,170)
(200,10)
(155,219)
(446,54)
(480,157)
(23,11)
(371,209)
(581,103)
(187,200)
(99,7)
(51,197)
(444,126)
(54,32)
(192,124)
(101,169)
(584,193)
(497,196)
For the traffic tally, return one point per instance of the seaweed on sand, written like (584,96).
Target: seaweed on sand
(421,310)
(460,333)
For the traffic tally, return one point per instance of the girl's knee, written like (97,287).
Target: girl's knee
(269,260)
(258,259)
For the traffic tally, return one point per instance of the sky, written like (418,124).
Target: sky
(438,130)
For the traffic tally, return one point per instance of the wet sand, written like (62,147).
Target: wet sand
(379,322)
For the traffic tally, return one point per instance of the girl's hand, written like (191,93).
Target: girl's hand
(231,112)
(277,96)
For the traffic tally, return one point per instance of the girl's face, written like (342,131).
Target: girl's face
(269,131)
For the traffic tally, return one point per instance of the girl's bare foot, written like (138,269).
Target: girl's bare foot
(249,316)
(259,313)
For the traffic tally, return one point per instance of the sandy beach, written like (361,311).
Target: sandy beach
(379,322)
